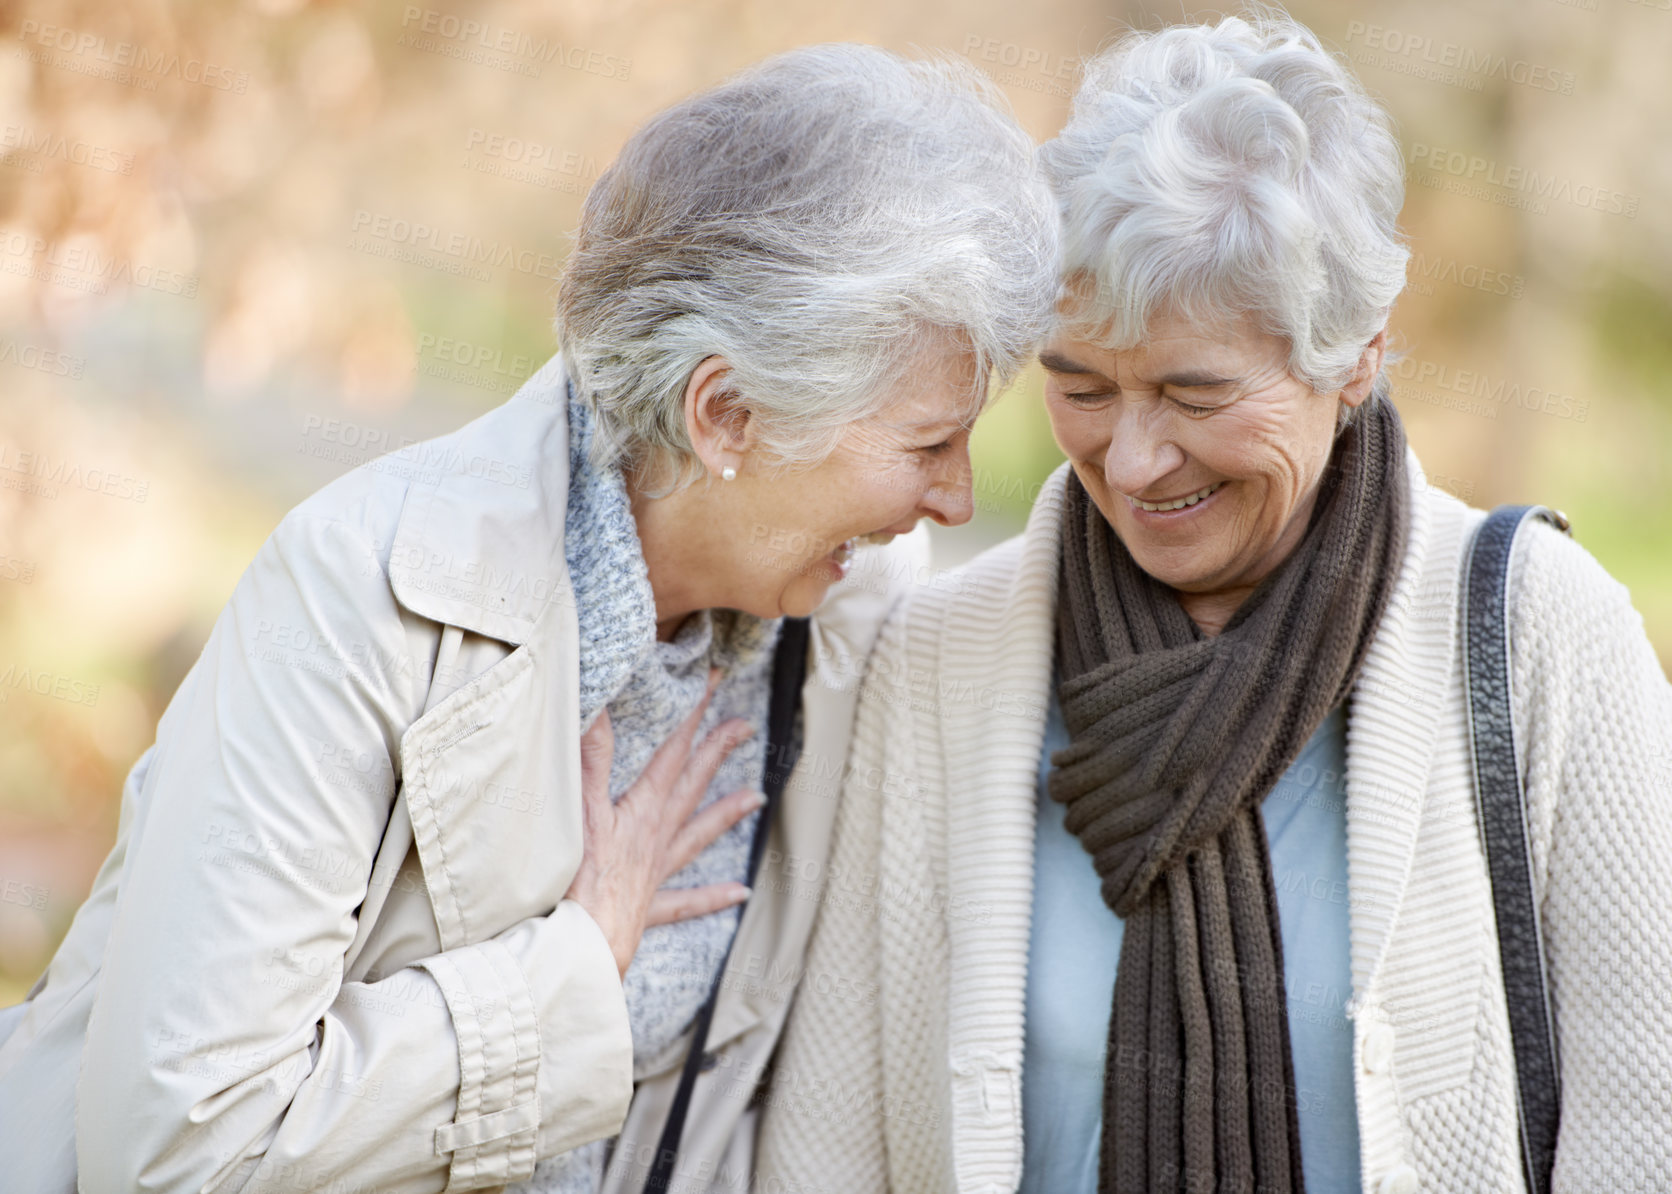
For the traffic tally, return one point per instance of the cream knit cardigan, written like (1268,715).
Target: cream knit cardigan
(900,1068)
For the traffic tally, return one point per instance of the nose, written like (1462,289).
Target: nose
(1140,453)
(950,499)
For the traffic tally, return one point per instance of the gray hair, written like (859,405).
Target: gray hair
(813,220)
(1230,169)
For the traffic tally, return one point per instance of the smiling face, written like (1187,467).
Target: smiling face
(908,461)
(1200,448)
(773,541)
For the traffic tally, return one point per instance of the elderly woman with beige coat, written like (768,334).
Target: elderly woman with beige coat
(1164,864)
(424,885)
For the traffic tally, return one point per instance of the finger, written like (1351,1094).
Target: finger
(699,773)
(676,904)
(706,826)
(597,753)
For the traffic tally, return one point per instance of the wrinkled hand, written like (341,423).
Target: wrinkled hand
(654,830)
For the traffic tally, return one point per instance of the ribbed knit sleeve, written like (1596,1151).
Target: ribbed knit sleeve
(1594,712)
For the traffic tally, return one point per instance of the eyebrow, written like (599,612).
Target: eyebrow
(1192,381)
(1057,363)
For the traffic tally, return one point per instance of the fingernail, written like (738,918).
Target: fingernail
(755,800)
(742,894)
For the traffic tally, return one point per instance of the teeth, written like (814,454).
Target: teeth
(847,549)
(1181,503)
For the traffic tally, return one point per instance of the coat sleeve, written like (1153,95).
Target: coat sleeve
(1595,712)
(225,1051)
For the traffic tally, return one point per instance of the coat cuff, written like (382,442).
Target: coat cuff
(545,1048)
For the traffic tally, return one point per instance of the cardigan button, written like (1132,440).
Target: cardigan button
(1378,1048)
(1401,1179)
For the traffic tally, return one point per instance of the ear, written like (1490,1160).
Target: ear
(717,422)
(1369,365)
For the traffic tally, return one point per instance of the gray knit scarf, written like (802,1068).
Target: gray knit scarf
(1175,738)
(648,687)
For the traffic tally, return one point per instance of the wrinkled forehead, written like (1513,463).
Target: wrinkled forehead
(1170,349)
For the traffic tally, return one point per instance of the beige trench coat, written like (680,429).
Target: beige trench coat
(330,949)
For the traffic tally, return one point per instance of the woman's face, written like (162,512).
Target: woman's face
(1199,446)
(777,539)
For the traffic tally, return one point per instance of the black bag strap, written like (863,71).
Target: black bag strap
(789,668)
(1500,803)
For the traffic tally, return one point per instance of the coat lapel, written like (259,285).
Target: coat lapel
(491,773)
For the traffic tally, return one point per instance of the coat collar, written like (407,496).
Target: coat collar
(480,540)
(480,546)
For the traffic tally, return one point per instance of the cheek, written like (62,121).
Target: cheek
(878,494)
(1299,463)
(816,499)
(1081,434)
(811,519)
(1260,449)
(1279,465)
(786,531)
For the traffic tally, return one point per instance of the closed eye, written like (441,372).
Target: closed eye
(942,446)
(1193,410)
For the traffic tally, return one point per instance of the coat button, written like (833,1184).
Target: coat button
(1401,1179)
(708,1062)
(1378,1048)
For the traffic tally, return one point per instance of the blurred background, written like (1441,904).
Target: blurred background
(246,246)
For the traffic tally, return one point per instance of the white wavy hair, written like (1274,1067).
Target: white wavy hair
(816,220)
(1230,169)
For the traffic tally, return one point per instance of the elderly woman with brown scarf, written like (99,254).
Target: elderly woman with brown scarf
(1199,738)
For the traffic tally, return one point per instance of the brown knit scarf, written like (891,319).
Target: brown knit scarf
(1175,739)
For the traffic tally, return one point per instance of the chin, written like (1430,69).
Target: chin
(1185,576)
(801,598)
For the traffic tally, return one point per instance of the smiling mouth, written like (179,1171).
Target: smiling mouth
(844,550)
(1176,503)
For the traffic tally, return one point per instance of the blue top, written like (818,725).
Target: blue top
(1075,948)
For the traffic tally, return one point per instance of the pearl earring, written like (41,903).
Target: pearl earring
(728,474)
